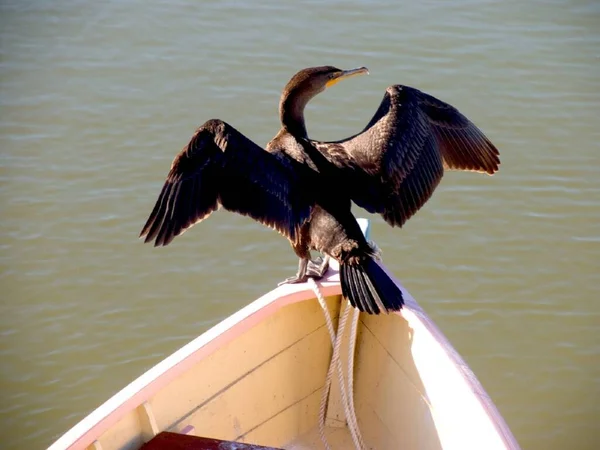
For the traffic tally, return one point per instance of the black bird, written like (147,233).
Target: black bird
(304,188)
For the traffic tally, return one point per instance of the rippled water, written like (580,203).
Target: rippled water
(97,98)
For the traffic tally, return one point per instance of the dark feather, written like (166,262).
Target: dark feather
(369,288)
(463,146)
(220,166)
(393,166)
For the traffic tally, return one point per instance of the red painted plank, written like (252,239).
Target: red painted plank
(175,441)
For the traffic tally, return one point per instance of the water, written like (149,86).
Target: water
(97,98)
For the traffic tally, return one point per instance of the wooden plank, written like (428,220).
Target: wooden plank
(296,420)
(270,389)
(95,446)
(391,405)
(248,352)
(147,421)
(175,441)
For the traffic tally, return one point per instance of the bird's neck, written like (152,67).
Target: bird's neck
(291,113)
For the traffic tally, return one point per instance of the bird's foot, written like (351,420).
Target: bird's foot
(318,267)
(301,275)
(308,269)
(376,250)
(295,279)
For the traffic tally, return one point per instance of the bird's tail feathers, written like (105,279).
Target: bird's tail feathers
(369,288)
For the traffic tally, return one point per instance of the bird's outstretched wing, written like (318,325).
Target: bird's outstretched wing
(221,167)
(393,166)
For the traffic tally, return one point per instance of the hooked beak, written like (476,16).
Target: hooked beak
(347,74)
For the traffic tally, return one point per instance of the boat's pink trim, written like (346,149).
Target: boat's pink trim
(143,388)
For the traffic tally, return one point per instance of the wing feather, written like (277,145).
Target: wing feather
(462,145)
(394,165)
(221,167)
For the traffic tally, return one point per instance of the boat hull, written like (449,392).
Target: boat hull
(258,377)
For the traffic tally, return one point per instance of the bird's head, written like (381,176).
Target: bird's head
(314,80)
(305,85)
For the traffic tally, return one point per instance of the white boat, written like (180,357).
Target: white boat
(260,378)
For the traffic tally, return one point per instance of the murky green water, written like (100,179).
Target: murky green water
(97,98)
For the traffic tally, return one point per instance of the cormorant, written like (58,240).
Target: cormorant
(304,188)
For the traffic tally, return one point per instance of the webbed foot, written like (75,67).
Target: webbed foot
(295,279)
(318,267)
(301,275)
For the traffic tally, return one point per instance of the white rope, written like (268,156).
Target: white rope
(351,351)
(335,363)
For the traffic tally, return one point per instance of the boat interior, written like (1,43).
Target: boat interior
(265,388)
